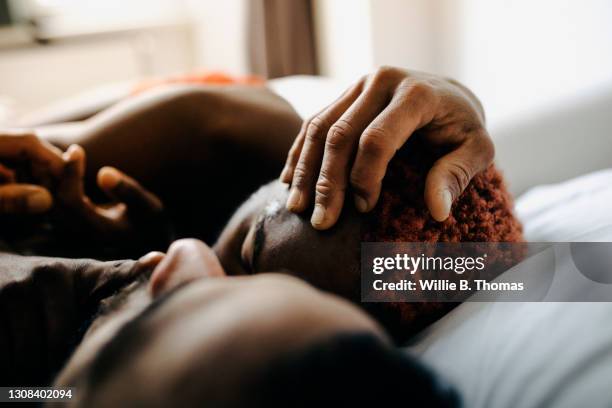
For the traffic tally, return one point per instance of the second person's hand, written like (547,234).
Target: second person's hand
(351,142)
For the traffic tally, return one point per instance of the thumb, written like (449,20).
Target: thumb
(451,174)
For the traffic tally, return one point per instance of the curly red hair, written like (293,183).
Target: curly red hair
(483,213)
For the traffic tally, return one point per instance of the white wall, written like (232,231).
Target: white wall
(343,37)
(519,56)
(220,36)
(522,55)
(33,76)
(403,33)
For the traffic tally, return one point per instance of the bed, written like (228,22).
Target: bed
(525,354)
(558,163)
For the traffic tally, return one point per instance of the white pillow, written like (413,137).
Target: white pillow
(565,211)
(534,354)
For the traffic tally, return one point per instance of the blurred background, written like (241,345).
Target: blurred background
(516,55)
(543,69)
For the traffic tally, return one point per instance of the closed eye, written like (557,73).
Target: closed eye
(253,244)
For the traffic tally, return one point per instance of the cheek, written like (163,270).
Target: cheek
(327,260)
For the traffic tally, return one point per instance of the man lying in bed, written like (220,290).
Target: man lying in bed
(261,237)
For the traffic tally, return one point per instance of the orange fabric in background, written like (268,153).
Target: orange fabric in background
(209,78)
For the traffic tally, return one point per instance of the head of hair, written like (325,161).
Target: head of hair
(482,213)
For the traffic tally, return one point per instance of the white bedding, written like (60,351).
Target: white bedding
(521,355)
(535,354)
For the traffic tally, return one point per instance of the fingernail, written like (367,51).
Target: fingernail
(39,201)
(360,203)
(447,201)
(294,200)
(109,177)
(318,216)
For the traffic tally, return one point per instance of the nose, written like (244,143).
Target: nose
(186,261)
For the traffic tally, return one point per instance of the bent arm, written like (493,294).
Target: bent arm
(201,149)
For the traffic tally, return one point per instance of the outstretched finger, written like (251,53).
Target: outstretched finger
(298,144)
(306,170)
(340,145)
(408,110)
(293,155)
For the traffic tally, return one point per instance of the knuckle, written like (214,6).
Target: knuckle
(339,136)
(315,131)
(300,175)
(324,189)
(374,141)
(460,177)
(417,90)
(386,72)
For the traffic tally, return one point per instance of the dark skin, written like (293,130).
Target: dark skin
(205,126)
(343,149)
(346,147)
(130,194)
(175,141)
(263,235)
(192,308)
(283,237)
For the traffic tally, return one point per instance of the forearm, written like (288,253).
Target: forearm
(200,149)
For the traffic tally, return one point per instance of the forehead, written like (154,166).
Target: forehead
(269,202)
(270,197)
